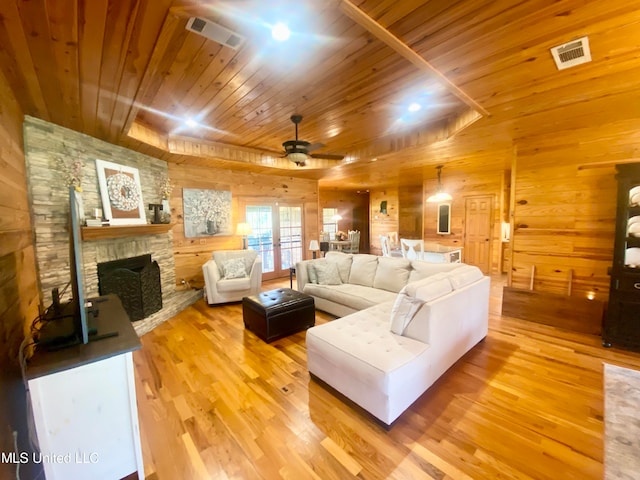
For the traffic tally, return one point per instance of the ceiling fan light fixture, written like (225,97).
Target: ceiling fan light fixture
(298,158)
(440,195)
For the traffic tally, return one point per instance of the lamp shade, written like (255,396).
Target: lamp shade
(439,197)
(314,245)
(243,229)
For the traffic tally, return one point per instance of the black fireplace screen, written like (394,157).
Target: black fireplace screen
(136,281)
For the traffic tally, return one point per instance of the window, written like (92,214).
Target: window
(329,222)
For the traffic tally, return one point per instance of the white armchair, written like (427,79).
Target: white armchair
(232,274)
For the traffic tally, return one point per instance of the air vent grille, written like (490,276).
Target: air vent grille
(215,32)
(572,53)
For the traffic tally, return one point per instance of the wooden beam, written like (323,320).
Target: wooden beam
(384,35)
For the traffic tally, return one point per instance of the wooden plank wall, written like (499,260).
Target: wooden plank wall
(191,253)
(564,210)
(18,289)
(382,224)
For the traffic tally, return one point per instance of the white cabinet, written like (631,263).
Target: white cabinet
(85,414)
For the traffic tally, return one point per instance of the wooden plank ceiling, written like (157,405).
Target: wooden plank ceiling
(130,73)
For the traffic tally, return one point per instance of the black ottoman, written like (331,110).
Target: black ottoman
(278,313)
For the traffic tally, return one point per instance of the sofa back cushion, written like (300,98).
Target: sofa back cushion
(464,275)
(248,256)
(421,269)
(429,288)
(392,273)
(363,269)
(343,261)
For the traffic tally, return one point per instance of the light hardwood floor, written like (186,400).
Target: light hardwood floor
(217,402)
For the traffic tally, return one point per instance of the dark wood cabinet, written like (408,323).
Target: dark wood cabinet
(622,321)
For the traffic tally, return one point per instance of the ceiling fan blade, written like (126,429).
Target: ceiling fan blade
(315,146)
(327,156)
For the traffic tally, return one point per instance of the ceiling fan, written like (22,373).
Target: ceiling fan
(299,151)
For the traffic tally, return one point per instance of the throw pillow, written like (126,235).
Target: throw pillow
(403,311)
(234,268)
(327,273)
(311,271)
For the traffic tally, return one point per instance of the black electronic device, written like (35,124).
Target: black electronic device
(73,322)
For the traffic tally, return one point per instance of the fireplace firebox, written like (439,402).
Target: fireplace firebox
(136,281)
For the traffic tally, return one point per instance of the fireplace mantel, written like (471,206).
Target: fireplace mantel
(118,231)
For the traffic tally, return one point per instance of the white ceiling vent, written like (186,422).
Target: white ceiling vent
(215,32)
(571,54)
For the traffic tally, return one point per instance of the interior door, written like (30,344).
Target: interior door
(477,232)
(276,233)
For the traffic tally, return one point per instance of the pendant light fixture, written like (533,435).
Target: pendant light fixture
(440,195)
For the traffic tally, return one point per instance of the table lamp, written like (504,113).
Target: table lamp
(314,247)
(243,229)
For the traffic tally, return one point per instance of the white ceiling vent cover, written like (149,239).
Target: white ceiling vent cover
(571,54)
(215,32)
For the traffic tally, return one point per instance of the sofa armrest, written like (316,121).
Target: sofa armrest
(302,278)
(211,275)
(256,274)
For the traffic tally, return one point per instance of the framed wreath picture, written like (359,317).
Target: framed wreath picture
(121,193)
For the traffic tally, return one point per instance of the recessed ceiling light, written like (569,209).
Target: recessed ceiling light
(280,32)
(414,107)
(190,122)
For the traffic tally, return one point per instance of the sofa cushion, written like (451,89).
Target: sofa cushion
(363,270)
(311,271)
(362,345)
(327,273)
(343,261)
(403,311)
(353,296)
(233,268)
(464,275)
(392,273)
(248,256)
(421,269)
(234,284)
(429,288)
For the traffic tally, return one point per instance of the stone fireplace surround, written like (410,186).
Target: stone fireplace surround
(47,148)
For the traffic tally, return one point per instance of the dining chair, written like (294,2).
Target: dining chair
(386,245)
(412,249)
(354,238)
(393,240)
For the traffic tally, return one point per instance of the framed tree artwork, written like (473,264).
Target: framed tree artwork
(121,193)
(206,212)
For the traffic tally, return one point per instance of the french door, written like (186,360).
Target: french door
(276,233)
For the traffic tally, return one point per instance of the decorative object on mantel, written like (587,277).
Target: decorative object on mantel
(70,168)
(121,193)
(164,186)
(440,195)
(206,212)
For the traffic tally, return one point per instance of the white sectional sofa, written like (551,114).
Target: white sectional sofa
(391,346)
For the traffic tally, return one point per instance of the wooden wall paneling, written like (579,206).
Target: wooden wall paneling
(564,220)
(410,212)
(18,285)
(192,253)
(380,223)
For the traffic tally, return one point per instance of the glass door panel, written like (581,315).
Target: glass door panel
(277,236)
(260,217)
